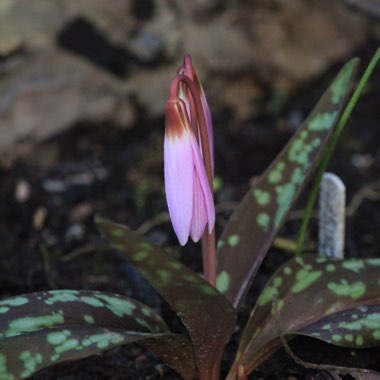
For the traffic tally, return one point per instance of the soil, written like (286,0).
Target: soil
(49,197)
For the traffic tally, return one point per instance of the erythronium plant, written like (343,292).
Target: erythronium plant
(188,158)
(335,301)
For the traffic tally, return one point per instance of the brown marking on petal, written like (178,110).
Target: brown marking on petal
(176,119)
(191,111)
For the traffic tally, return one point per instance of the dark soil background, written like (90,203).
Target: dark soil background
(82,124)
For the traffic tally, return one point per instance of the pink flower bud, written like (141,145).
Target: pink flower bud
(188,193)
(188,69)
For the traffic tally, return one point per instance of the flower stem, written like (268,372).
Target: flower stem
(209,256)
(216,370)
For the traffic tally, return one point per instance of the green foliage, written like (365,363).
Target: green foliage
(334,301)
(30,312)
(255,223)
(331,146)
(187,293)
(45,328)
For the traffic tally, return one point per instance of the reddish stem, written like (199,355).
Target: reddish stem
(216,370)
(209,256)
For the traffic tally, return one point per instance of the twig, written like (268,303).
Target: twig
(159,219)
(82,250)
(46,264)
(366,192)
(289,245)
(370,191)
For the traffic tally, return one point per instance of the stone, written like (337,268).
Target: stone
(240,53)
(33,25)
(54,90)
(146,47)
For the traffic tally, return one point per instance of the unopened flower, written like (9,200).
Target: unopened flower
(188,70)
(188,191)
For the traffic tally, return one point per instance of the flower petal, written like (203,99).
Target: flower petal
(199,215)
(203,203)
(185,96)
(188,69)
(188,192)
(210,130)
(178,171)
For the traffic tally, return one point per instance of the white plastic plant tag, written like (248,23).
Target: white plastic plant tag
(332,199)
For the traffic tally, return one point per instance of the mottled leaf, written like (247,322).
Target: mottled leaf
(44,328)
(30,312)
(359,326)
(208,316)
(335,301)
(25,354)
(253,226)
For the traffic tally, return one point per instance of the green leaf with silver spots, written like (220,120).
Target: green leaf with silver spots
(45,328)
(205,312)
(335,301)
(25,354)
(358,327)
(30,312)
(255,223)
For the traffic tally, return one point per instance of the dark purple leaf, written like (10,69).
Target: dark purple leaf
(335,301)
(253,226)
(30,312)
(25,354)
(41,329)
(359,327)
(208,316)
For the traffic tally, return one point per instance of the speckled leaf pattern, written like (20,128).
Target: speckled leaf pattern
(335,301)
(33,311)
(359,326)
(253,226)
(208,316)
(45,328)
(25,354)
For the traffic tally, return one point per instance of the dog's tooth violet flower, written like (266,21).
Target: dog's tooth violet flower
(187,180)
(188,70)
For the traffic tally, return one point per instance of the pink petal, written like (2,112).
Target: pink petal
(179,177)
(203,204)
(210,131)
(188,193)
(185,96)
(199,216)
(188,69)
